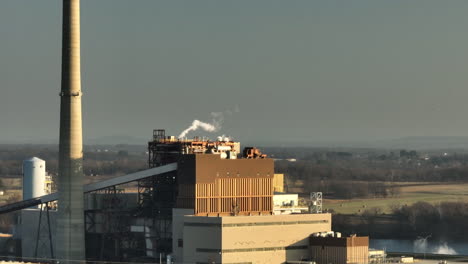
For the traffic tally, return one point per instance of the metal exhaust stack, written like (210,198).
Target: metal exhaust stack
(70,223)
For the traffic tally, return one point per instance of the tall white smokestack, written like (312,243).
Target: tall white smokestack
(70,223)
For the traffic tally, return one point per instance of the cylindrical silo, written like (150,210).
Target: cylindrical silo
(33,178)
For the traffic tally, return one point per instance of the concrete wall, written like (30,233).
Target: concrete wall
(250,239)
(178,231)
(202,240)
(29,224)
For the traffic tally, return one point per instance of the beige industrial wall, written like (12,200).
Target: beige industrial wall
(201,240)
(178,230)
(278,182)
(250,239)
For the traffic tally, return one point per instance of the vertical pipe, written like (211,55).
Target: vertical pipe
(70,222)
(51,244)
(38,232)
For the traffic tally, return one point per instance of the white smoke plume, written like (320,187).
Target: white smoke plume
(215,125)
(224,138)
(196,124)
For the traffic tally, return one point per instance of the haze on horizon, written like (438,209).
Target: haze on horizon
(297,71)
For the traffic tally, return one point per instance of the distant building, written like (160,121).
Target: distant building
(214,206)
(225,214)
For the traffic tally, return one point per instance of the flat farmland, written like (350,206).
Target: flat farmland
(410,193)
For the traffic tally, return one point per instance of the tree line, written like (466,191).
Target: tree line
(442,221)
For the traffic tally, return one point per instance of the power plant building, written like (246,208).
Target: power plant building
(245,239)
(200,201)
(224,207)
(209,204)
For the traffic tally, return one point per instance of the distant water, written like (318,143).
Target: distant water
(421,245)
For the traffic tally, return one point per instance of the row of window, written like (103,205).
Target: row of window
(237,250)
(257,223)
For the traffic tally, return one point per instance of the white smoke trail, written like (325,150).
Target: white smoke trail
(196,124)
(215,125)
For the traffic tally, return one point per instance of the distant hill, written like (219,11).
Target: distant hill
(115,140)
(416,143)
(438,142)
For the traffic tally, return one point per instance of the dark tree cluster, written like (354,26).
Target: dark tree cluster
(444,220)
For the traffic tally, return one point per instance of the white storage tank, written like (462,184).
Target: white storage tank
(34,177)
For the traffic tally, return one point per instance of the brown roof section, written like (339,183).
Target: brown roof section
(208,167)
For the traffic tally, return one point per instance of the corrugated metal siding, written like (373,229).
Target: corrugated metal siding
(327,254)
(358,254)
(234,195)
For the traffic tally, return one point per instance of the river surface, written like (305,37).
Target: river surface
(420,246)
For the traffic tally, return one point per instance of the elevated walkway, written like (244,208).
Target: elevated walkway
(91,187)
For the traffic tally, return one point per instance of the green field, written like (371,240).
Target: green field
(410,193)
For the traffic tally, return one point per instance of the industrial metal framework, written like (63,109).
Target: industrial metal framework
(41,241)
(156,198)
(156,195)
(160,152)
(91,187)
(115,219)
(109,227)
(316,202)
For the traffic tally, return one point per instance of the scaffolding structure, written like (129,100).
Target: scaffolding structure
(44,241)
(108,226)
(157,194)
(156,198)
(316,202)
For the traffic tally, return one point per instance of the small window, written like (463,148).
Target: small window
(180,243)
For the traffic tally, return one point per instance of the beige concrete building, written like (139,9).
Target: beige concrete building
(244,239)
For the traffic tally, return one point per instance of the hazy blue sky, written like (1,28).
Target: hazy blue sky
(297,70)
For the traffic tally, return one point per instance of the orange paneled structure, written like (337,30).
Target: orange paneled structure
(214,186)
